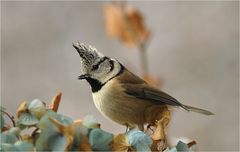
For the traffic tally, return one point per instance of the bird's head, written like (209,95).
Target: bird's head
(95,66)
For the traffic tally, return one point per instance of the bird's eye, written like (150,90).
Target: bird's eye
(95,67)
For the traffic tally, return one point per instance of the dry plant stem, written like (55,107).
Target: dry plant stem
(11,118)
(141,45)
(143,57)
(35,132)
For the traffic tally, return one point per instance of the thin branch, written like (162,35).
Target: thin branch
(35,132)
(143,57)
(10,117)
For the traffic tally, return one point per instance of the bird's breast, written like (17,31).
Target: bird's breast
(112,101)
(108,97)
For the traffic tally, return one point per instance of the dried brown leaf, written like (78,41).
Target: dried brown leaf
(125,23)
(66,131)
(113,19)
(190,144)
(158,116)
(22,108)
(85,145)
(120,143)
(56,101)
(78,121)
(154,113)
(153,81)
(136,21)
(5,128)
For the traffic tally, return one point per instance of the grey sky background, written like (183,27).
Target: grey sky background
(194,50)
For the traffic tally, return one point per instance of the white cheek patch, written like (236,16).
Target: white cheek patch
(105,75)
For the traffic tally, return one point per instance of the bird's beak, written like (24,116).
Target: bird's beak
(84,76)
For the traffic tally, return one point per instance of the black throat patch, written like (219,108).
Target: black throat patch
(97,85)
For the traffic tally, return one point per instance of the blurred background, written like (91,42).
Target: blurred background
(194,51)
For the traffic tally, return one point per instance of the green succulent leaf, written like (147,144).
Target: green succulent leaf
(2,109)
(45,123)
(181,146)
(50,138)
(14,130)
(80,131)
(43,139)
(51,141)
(21,126)
(2,121)
(9,138)
(57,143)
(100,140)
(7,147)
(23,146)
(37,108)
(139,140)
(28,119)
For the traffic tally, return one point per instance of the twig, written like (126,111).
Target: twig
(34,132)
(10,117)
(143,57)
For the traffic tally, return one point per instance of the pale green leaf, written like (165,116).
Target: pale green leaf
(2,121)
(46,123)
(80,132)
(181,146)
(42,141)
(100,140)
(37,108)
(23,146)
(51,141)
(139,140)
(9,138)
(7,147)
(28,119)
(57,143)
(2,109)
(14,130)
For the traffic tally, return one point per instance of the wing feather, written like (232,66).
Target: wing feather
(138,88)
(143,91)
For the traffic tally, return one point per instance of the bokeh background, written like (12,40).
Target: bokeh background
(194,50)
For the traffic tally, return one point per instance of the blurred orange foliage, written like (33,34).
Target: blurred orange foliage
(125,23)
(153,81)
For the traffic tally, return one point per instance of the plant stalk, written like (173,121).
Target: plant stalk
(143,58)
(11,118)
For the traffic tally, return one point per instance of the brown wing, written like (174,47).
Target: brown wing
(135,86)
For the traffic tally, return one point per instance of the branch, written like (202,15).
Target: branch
(10,117)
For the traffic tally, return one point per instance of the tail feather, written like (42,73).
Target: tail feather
(198,110)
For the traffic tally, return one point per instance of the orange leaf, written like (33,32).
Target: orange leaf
(66,131)
(85,145)
(22,108)
(113,19)
(120,143)
(155,82)
(126,24)
(55,102)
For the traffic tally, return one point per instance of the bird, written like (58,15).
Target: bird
(118,93)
